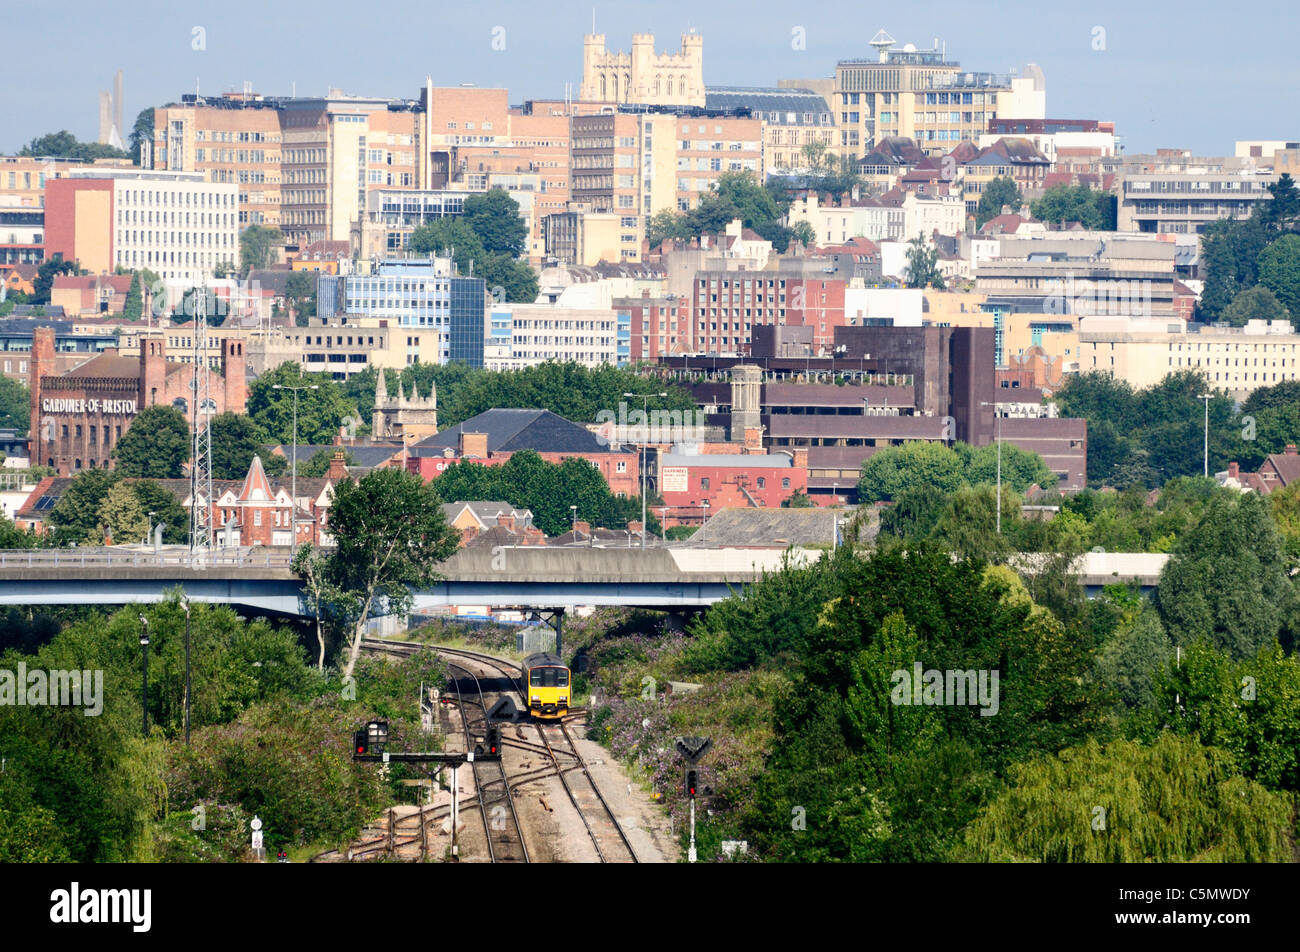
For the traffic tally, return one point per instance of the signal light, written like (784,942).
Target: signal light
(493,741)
(361,743)
(692,781)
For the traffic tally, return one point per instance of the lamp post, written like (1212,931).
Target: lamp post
(293,479)
(645,411)
(574,511)
(705,524)
(149,536)
(144,676)
(185,604)
(997,423)
(1206,397)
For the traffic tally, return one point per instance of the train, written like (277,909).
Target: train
(546,686)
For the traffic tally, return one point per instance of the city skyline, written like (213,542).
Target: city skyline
(1093,59)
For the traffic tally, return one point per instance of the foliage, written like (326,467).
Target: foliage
(450,235)
(527,481)
(391,533)
(156,446)
(121,516)
(923,265)
(1174,801)
(75,517)
(1279,271)
(15,405)
(64,145)
(133,306)
(320,461)
(47,272)
(236,439)
(300,292)
(1227,581)
(508,279)
(161,507)
(893,470)
(997,193)
(258,247)
(1255,304)
(667,224)
(141,130)
(320,411)
(494,217)
(1095,210)
(798,500)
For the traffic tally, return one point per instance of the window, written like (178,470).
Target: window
(704,482)
(785,482)
(257,517)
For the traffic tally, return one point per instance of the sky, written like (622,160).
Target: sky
(1163,72)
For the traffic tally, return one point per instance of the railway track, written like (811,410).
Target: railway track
(556,742)
(501,828)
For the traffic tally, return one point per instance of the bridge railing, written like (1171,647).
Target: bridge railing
(89,556)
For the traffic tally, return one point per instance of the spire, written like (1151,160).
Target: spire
(433,395)
(256,485)
(381,388)
(401,393)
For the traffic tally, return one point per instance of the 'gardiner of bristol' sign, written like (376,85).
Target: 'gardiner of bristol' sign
(88,405)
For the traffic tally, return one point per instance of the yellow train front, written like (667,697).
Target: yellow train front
(545,686)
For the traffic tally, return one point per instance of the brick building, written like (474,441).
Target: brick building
(78,416)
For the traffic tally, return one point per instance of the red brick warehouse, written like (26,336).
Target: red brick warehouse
(77,417)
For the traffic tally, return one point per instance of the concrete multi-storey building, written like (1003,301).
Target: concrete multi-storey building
(414,293)
(1239,360)
(176,224)
(643,75)
(232,139)
(921,94)
(575,322)
(793,120)
(1186,202)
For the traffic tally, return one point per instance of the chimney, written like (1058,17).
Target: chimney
(42,362)
(1290,450)
(506,521)
(338,467)
(753,439)
(801,457)
(582,527)
(153,371)
(634,527)
(232,372)
(1232,470)
(473,445)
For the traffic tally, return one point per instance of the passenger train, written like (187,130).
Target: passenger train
(546,686)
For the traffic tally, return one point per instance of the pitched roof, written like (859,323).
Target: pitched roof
(256,485)
(510,430)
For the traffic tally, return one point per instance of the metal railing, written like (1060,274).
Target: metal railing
(90,556)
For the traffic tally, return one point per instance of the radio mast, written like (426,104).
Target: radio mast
(201,540)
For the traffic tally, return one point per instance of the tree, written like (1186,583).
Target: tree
(391,534)
(1066,203)
(64,145)
(258,245)
(156,446)
(1283,211)
(1255,304)
(300,292)
(798,500)
(753,203)
(141,131)
(1172,802)
(319,463)
(1230,251)
(494,217)
(75,517)
(43,283)
(712,214)
(449,236)
(667,224)
(162,508)
(1227,581)
(1279,271)
(997,193)
(15,405)
(320,411)
(923,265)
(236,439)
(121,516)
(804,233)
(893,470)
(508,279)
(327,604)
(133,306)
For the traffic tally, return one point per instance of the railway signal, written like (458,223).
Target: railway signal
(692,781)
(360,743)
(493,741)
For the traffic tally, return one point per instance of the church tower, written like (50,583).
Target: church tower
(408,419)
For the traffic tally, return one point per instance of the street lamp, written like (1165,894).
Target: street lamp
(705,524)
(144,676)
(149,537)
(185,604)
(293,487)
(574,511)
(997,418)
(1206,397)
(645,410)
